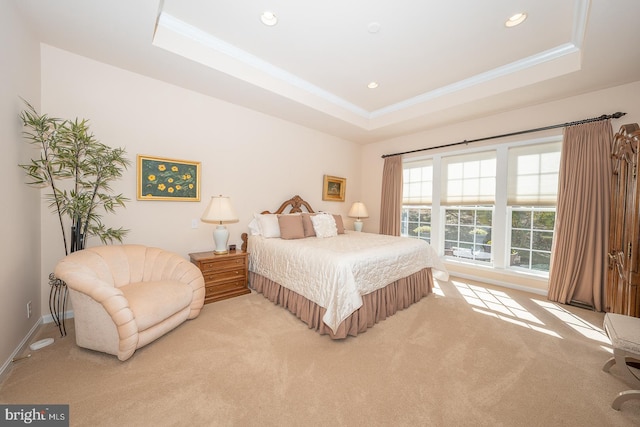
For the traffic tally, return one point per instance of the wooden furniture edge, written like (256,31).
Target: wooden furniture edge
(296,203)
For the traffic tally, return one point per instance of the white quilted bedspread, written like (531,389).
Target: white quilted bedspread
(334,272)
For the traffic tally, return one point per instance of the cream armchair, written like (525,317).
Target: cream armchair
(126,296)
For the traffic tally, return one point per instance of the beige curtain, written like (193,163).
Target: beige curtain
(391,203)
(578,264)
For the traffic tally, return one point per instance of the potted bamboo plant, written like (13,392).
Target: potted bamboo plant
(78,171)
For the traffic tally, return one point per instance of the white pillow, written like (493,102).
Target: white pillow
(324,225)
(254,227)
(268,223)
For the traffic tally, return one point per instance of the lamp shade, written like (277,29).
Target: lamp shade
(358,210)
(219,211)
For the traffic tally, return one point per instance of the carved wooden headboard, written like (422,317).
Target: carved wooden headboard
(296,203)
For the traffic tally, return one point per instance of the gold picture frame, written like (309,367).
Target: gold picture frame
(334,188)
(160,178)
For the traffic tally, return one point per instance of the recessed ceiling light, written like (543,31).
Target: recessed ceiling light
(516,19)
(269,18)
(372,85)
(373,27)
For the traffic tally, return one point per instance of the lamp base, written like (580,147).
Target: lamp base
(357,225)
(220,237)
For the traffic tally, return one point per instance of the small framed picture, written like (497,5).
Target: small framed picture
(160,178)
(334,188)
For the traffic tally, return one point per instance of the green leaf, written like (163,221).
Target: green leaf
(70,152)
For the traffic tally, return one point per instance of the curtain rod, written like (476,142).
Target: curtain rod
(504,135)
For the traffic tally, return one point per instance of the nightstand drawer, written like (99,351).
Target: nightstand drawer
(222,287)
(223,264)
(223,275)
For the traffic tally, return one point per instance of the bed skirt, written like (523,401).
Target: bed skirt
(376,306)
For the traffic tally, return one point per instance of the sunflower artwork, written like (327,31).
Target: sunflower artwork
(168,179)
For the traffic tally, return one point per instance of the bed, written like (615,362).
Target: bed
(340,283)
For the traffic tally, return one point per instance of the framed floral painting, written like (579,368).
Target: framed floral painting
(168,179)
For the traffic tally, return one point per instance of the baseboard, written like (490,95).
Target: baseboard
(48,318)
(500,283)
(583,305)
(19,349)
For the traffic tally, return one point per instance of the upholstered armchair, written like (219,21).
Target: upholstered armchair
(126,296)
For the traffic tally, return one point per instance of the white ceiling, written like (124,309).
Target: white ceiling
(436,62)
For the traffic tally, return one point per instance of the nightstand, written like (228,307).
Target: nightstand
(225,275)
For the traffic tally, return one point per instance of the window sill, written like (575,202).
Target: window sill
(507,277)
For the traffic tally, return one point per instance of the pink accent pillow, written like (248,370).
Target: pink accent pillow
(291,227)
(308,225)
(339,223)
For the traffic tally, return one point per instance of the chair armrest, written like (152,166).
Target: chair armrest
(110,298)
(194,278)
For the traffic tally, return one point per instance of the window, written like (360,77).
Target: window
(417,181)
(469,183)
(532,190)
(469,179)
(416,200)
(531,238)
(533,175)
(507,192)
(416,222)
(467,232)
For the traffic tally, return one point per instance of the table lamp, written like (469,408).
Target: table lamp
(358,210)
(220,211)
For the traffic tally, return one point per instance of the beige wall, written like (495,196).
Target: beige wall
(621,98)
(257,160)
(20,215)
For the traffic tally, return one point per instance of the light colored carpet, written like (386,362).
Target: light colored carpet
(469,355)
